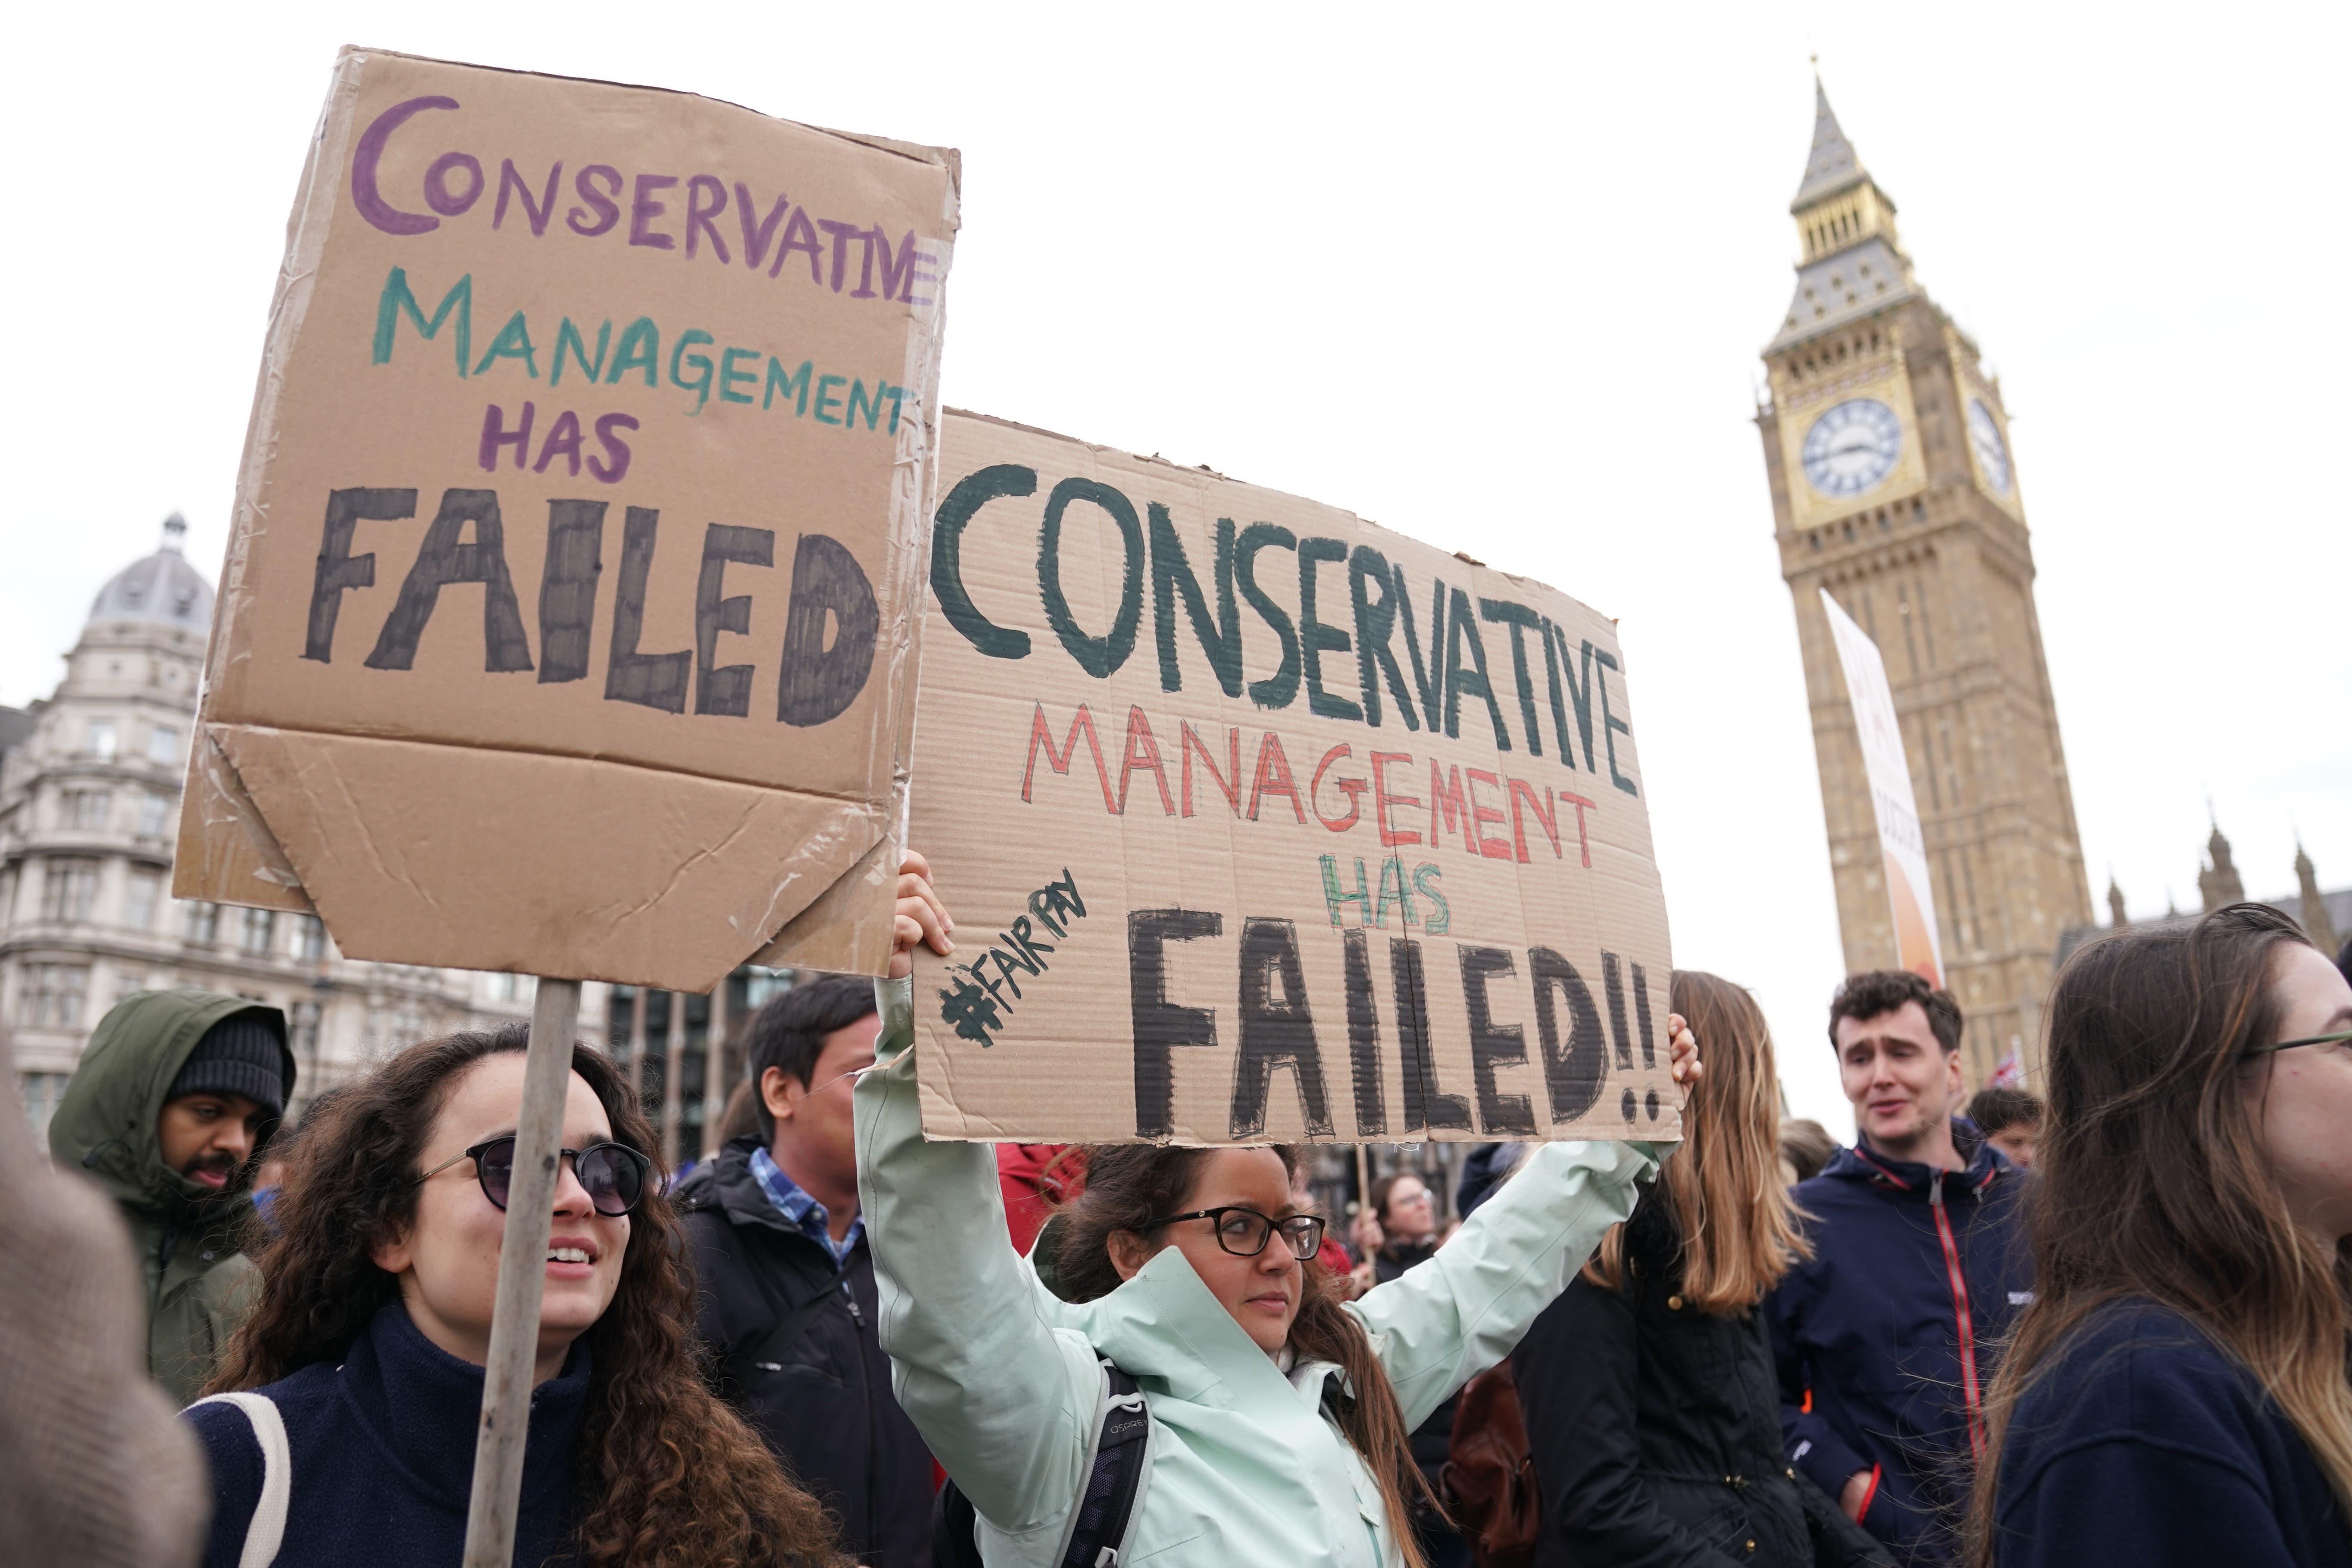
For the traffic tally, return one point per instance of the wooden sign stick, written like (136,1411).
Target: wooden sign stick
(522,1276)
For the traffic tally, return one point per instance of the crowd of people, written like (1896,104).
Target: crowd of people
(2111,1324)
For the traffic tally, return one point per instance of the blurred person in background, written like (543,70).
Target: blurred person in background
(271,1173)
(1885,1337)
(2011,1120)
(787,1311)
(1037,1179)
(2177,1393)
(1806,1150)
(82,1429)
(741,1115)
(361,1368)
(1648,1389)
(1483,1170)
(1331,1255)
(170,1110)
(1398,1230)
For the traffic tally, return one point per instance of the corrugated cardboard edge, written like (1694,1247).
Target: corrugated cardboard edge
(412,836)
(223,843)
(848,929)
(213,793)
(949,158)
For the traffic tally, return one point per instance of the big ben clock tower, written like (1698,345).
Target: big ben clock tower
(1893,488)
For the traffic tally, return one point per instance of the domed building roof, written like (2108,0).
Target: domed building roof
(163,589)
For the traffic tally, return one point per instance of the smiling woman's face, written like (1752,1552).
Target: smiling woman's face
(447,1259)
(1260,1292)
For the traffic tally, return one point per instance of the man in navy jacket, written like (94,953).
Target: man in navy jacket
(1884,1339)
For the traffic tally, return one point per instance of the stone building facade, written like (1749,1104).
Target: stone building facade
(1887,448)
(90,804)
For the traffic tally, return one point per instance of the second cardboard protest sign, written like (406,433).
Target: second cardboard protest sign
(1262,823)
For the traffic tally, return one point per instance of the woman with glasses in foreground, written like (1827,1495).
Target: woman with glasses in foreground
(367,1343)
(2177,1393)
(1278,1413)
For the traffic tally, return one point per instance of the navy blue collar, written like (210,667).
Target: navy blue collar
(1984,1164)
(422,1408)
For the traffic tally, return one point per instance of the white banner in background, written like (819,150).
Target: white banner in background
(1902,848)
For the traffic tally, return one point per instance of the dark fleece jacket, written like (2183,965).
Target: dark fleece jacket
(2143,1443)
(823,1402)
(1887,1338)
(1655,1428)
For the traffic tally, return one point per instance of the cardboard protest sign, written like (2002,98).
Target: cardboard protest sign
(569,619)
(1902,848)
(1261,823)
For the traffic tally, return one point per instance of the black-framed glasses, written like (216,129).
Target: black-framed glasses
(1243,1232)
(613,1173)
(2337,1038)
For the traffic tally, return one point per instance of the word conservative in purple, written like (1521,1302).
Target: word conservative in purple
(837,252)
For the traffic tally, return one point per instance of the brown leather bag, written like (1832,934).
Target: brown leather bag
(1489,1478)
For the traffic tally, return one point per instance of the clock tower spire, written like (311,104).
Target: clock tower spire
(1887,450)
(1838,206)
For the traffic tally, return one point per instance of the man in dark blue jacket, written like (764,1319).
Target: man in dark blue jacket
(1884,1338)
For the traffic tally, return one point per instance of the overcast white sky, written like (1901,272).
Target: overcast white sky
(1493,276)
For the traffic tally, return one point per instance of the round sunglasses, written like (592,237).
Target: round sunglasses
(613,1173)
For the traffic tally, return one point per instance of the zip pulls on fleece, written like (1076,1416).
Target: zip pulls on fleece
(1964,1320)
(1967,1323)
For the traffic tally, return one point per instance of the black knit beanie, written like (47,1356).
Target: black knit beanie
(240,1055)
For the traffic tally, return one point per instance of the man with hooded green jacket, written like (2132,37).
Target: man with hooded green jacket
(172,1105)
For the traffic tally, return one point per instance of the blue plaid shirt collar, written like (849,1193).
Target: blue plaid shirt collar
(807,1215)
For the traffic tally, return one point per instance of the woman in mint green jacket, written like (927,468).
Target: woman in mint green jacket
(1252,1464)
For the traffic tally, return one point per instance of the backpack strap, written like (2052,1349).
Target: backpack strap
(266,1529)
(955,1530)
(1118,1465)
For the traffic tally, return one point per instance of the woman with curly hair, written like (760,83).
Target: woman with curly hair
(372,1325)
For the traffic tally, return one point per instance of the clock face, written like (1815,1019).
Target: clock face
(1851,446)
(1992,452)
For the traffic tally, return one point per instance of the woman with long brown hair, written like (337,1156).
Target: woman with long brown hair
(1652,1406)
(1277,1413)
(356,1383)
(2177,1391)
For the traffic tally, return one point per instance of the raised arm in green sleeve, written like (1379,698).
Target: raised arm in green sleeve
(1443,1323)
(1006,1401)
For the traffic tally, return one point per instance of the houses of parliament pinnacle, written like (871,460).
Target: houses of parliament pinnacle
(1895,491)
